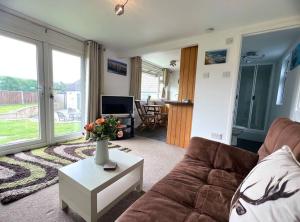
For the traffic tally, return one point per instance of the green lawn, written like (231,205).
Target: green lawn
(13,107)
(14,130)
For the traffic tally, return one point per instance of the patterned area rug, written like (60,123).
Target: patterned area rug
(24,173)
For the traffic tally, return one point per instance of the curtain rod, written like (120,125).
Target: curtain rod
(31,20)
(147,63)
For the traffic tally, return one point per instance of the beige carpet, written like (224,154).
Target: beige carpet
(159,159)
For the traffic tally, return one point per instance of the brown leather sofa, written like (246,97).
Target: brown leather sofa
(201,186)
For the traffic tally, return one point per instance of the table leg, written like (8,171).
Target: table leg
(63,205)
(139,187)
(146,110)
(92,207)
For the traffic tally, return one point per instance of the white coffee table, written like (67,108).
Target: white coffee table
(90,191)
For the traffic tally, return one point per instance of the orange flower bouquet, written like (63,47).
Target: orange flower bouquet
(103,128)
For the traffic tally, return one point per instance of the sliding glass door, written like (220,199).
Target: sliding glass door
(41,93)
(253,97)
(66,95)
(21,91)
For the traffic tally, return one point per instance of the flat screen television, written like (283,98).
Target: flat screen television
(116,105)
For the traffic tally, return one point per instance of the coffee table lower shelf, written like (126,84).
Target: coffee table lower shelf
(91,204)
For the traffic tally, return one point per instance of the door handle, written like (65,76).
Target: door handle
(40,89)
(51,96)
(253,97)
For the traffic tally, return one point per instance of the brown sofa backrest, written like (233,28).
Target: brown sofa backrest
(282,132)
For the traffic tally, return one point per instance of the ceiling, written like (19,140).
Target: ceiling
(272,44)
(163,59)
(150,21)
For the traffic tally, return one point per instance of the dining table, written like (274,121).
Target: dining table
(153,108)
(157,110)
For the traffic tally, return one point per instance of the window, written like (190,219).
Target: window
(67,93)
(22,93)
(19,91)
(298,106)
(152,85)
(283,75)
(41,85)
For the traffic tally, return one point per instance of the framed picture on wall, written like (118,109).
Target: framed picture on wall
(215,57)
(295,61)
(116,67)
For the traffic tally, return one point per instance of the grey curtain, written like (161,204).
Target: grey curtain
(166,75)
(136,77)
(93,64)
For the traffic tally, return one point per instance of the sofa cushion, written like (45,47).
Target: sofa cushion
(225,179)
(183,183)
(202,184)
(199,188)
(155,207)
(194,216)
(214,202)
(221,156)
(282,132)
(191,192)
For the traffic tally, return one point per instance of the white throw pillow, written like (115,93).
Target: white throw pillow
(270,192)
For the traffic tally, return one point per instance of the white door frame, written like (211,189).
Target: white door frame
(258,133)
(46,117)
(49,102)
(15,147)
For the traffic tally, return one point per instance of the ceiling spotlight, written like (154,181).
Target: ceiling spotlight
(173,63)
(210,29)
(120,8)
(252,56)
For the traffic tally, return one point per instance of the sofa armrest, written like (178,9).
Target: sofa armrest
(221,156)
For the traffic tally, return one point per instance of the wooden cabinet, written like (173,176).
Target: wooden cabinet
(180,115)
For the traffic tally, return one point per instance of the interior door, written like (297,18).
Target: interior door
(22,111)
(66,94)
(260,97)
(245,95)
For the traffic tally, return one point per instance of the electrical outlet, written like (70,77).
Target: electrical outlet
(206,75)
(217,136)
(226,74)
(229,41)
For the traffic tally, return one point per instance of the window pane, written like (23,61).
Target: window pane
(261,97)
(67,93)
(150,86)
(283,76)
(244,99)
(19,95)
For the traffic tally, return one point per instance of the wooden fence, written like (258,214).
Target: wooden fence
(18,97)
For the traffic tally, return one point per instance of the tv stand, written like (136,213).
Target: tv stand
(127,123)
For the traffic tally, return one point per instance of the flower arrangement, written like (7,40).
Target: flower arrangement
(103,128)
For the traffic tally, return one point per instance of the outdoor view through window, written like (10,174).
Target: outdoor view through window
(22,101)
(19,103)
(66,91)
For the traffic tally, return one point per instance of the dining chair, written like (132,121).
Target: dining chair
(148,120)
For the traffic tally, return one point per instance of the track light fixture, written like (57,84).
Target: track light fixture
(120,8)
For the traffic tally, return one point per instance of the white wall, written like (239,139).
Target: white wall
(274,109)
(290,107)
(41,32)
(292,94)
(114,84)
(215,96)
(173,87)
(117,85)
(296,102)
